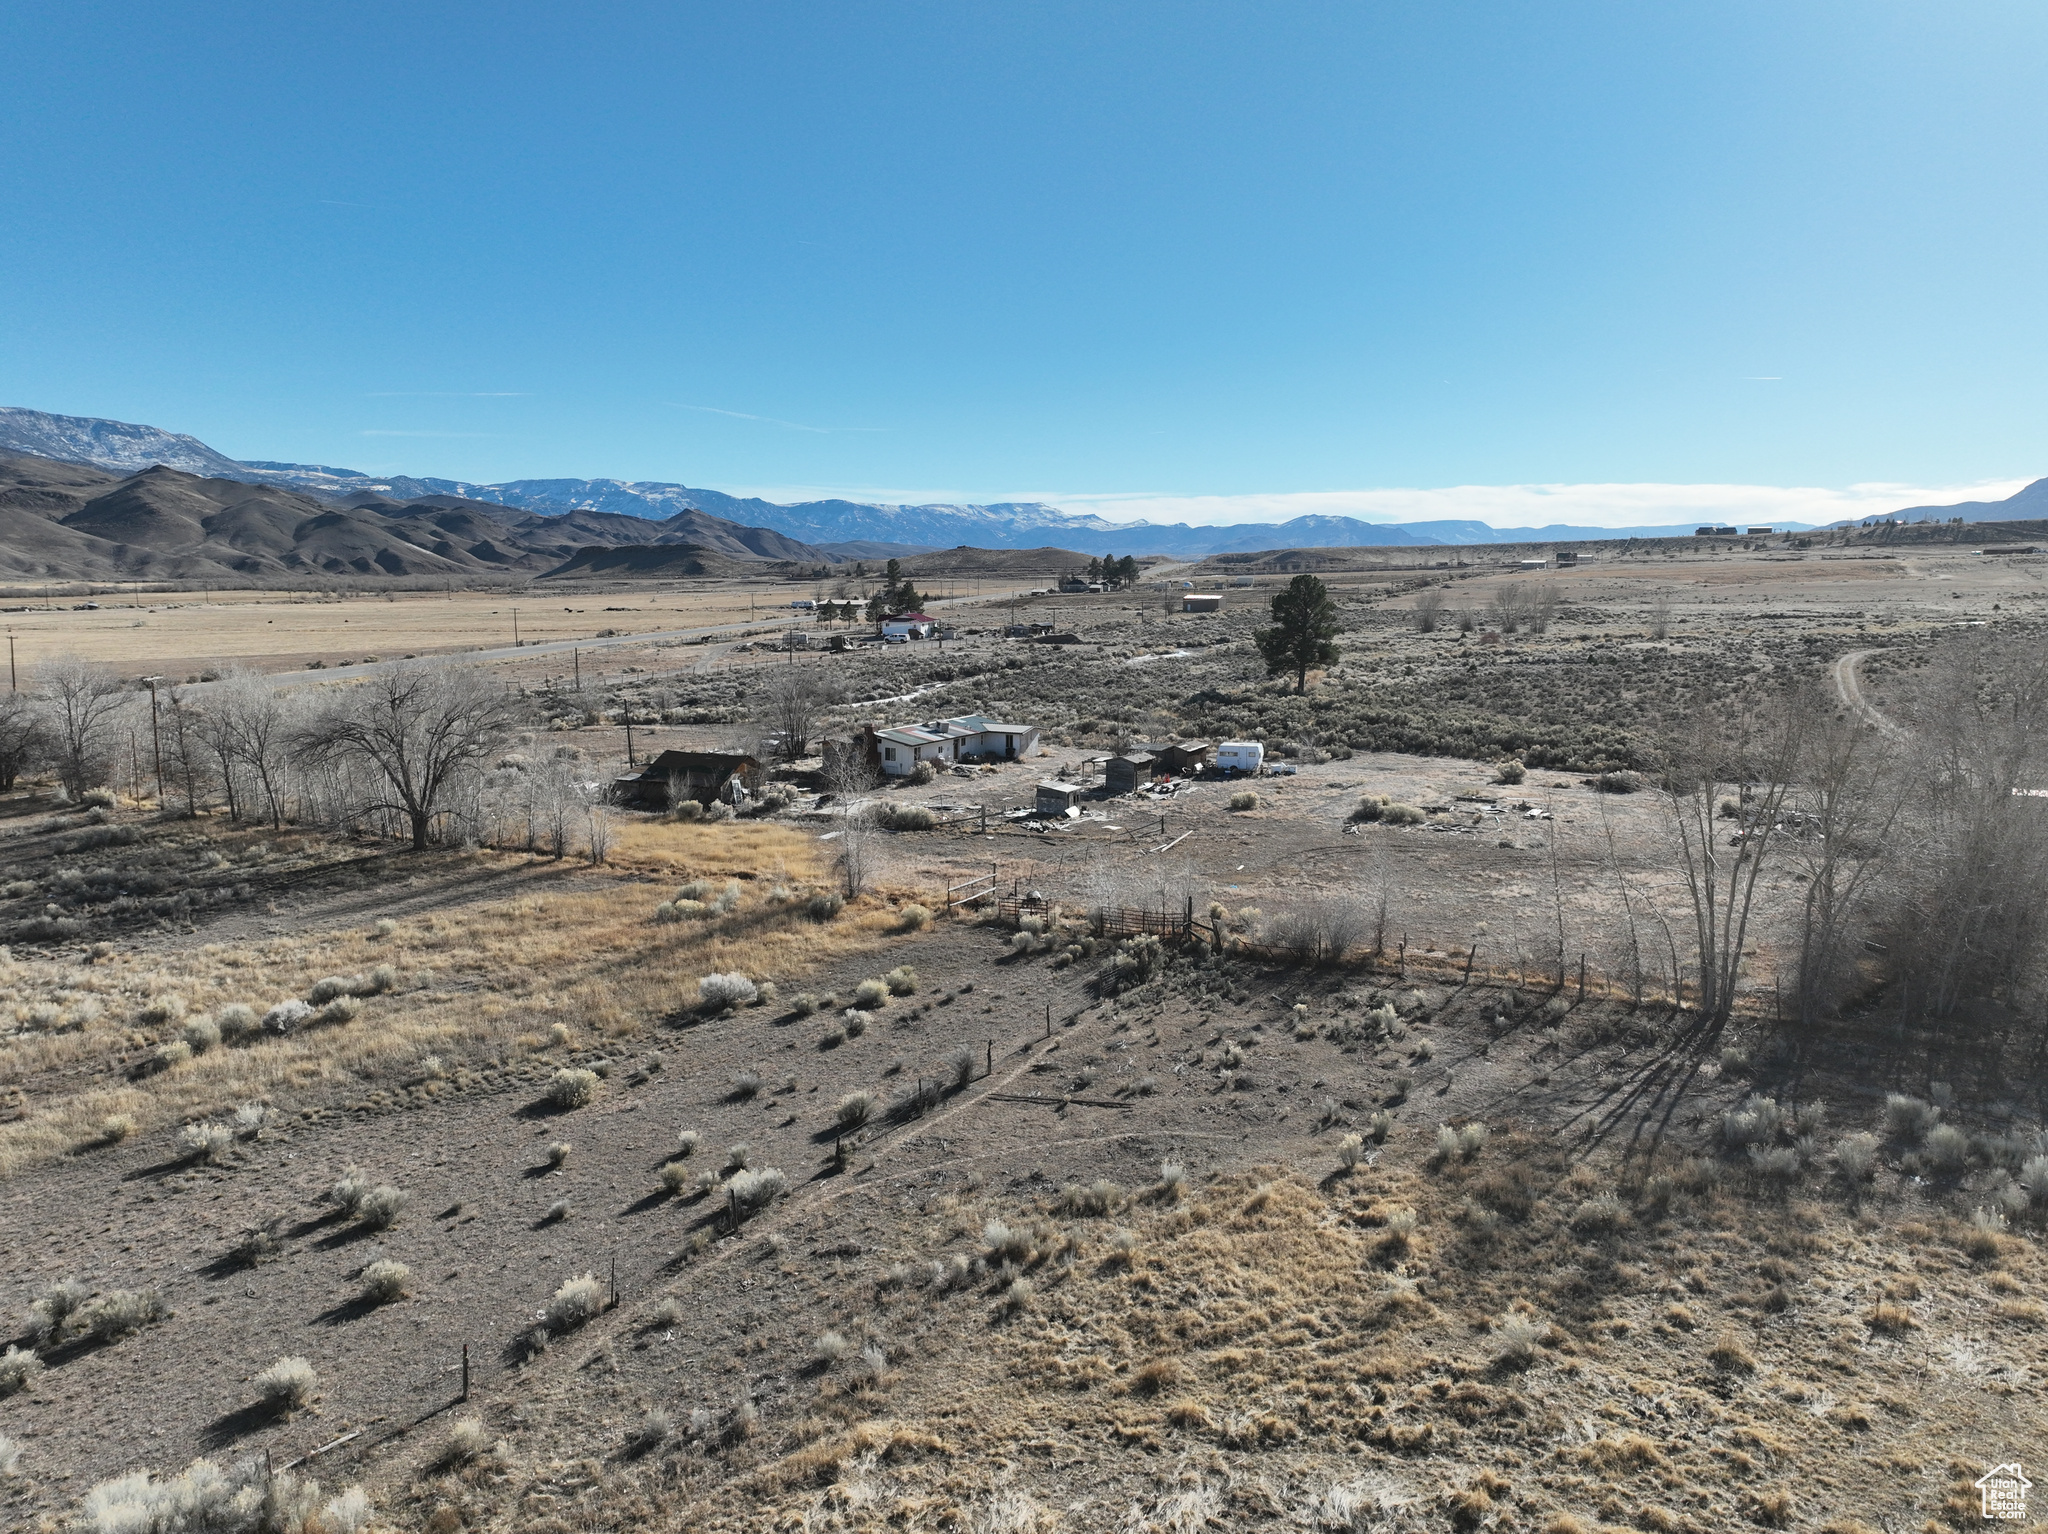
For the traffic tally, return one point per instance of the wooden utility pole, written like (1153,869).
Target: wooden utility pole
(156,744)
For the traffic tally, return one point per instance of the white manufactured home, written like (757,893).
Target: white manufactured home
(965,738)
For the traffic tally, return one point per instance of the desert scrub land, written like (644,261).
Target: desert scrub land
(489,963)
(1241,1244)
(737,1203)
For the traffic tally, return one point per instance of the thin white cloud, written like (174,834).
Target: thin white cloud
(1594,505)
(769,420)
(1588,505)
(450,394)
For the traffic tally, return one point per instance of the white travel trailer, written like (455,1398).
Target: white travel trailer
(1235,756)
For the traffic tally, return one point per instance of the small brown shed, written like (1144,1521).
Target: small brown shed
(699,775)
(1182,758)
(1125,774)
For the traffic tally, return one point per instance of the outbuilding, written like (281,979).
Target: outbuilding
(705,776)
(1127,773)
(1181,758)
(1201,602)
(1055,798)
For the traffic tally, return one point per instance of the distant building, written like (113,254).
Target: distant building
(896,750)
(1181,758)
(1128,773)
(1760,532)
(908,626)
(1201,602)
(1532,564)
(1057,798)
(1565,559)
(1717,532)
(705,776)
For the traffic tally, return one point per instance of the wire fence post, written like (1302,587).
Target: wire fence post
(465,1371)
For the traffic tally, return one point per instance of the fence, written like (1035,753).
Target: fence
(1408,962)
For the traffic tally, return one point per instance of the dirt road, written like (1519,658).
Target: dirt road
(1850,686)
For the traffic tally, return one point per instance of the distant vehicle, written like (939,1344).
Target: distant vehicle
(1187,585)
(1235,756)
(895,639)
(802,605)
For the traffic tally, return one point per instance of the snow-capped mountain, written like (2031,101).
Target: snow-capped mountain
(126,448)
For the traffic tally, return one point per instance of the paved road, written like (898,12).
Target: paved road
(1850,686)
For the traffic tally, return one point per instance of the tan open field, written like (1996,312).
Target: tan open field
(1072,1234)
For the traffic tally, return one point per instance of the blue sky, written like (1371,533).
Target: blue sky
(1187,260)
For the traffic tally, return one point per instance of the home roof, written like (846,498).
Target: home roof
(981,724)
(909,735)
(910,618)
(712,761)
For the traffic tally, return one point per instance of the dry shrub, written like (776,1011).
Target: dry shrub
(18,1369)
(119,1312)
(1729,1353)
(204,1142)
(572,1087)
(380,1208)
(580,1299)
(385,1280)
(287,1385)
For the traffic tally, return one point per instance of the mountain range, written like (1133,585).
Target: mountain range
(65,520)
(828,529)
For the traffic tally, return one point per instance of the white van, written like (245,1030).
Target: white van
(1235,756)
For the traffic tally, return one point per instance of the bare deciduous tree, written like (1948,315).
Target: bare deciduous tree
(792,702)
(1428,607)
(258,724)
(1848,799)
(412,731)
(852,776)
(184,749)
(81,703)
(21,733)
(1755,743)
(1968,925)
(1508,607)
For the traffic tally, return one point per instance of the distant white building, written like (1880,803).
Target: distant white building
(908,626)
(966,738)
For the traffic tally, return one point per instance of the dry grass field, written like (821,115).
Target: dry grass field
(765,1212)
(181,635)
